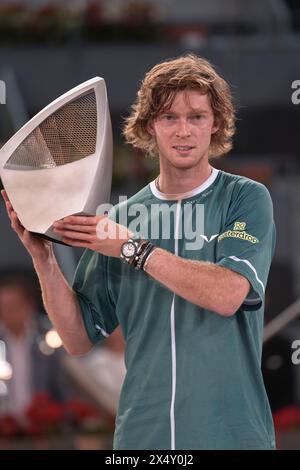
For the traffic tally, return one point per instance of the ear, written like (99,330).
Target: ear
(215,128)
(150,129)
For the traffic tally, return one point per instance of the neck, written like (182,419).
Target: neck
(173,182)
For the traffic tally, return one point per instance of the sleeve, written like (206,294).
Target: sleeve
(91,287)
(246,244)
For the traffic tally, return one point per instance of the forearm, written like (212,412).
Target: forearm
(62,305)
(205,284)
(60,301)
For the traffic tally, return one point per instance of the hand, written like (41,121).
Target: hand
(98,233)
(37,247)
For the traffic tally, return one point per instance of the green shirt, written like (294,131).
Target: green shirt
(193,377)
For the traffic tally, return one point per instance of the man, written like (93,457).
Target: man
(21,331)
(192,310)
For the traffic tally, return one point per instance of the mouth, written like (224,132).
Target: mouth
(183,149)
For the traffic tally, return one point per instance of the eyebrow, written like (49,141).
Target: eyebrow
(200,111)
(193,110)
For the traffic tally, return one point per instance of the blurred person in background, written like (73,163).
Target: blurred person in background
(35,368)
(192,318)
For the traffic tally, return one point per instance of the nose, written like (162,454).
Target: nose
(183,129)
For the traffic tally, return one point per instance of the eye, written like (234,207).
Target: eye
(168,117)
(197,117)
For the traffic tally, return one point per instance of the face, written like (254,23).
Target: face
(15,309)
(183,133)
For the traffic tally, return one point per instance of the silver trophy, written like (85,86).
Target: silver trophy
(60,162)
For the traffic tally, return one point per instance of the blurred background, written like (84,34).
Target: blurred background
(48,47)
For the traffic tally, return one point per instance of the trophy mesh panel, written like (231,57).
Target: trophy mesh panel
(69,134)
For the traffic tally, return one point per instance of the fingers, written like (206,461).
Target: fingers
(8,205)
(16,224)
(74,235)
(76,228)
(4,195)
(61,226)
(8,209)
(80,220)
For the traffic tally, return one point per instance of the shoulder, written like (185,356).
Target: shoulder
(241,188)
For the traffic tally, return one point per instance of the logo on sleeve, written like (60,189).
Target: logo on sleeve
(239,226)
(238,232)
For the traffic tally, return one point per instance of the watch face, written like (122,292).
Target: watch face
(128,249)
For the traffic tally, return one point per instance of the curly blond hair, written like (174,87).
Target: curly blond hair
(157,93)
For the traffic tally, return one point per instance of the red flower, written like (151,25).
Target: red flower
(81,411)
(8,426)
(44,412)
(48,10)
(287,418)
(46,416)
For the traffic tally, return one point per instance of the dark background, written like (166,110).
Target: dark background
(46,48)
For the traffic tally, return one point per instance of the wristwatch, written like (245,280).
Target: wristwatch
(130,249)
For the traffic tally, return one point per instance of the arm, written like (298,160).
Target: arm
(60,302)
(208,285)
(61,305)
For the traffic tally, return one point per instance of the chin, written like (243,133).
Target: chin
(184,163)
